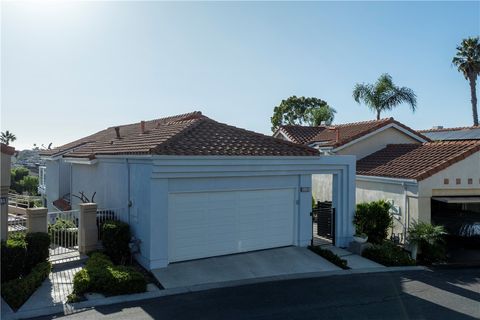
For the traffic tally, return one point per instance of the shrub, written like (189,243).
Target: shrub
(430,241)
(330,256)
(100,275)
(17,291)
(388,254)
(373,219)
(115,239)
(14,255)
(63,233)
(37,249)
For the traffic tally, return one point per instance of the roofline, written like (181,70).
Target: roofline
(390,180)
(449,129)
(280,132)
(199,157)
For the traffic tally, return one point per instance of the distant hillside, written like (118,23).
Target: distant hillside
(29,159)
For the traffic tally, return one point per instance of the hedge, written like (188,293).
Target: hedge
(100,275)
(330,256)
(388,254)
(14,256)
(115,239)
(17,291)
(37,249)
(374,220)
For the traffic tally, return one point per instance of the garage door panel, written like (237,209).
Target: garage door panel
(215,223)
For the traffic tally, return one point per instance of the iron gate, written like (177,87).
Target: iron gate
(323,220)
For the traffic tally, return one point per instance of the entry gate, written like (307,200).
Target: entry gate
(323,218)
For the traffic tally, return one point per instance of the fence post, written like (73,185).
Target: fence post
(37,219)
(87,227)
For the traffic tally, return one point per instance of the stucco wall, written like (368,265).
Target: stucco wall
(51,182)
(322,187)
(376,142)
(404,197)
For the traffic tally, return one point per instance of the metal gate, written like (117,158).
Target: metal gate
(323,221)
(63,231)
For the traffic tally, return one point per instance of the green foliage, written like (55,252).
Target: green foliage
(430,240)
(388,254)
(115,238)
(330,256)
(37,249)
(14,255)
(100,275)
(29,184)
(17,291)
(301,110)
(7,137)
(373,219)
(63,233)
(383,95)
(21,181)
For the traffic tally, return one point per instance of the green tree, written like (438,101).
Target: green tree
(7,137)
(17,176)
(383,95)
(301,110)
(29,184)
(467,61)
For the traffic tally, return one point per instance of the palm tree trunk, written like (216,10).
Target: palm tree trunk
(378,114)
(473,93)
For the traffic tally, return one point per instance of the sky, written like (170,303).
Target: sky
(69,69)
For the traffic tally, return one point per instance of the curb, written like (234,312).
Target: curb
(72,308)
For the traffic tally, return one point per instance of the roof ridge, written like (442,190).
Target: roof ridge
(194,123)
(449,129)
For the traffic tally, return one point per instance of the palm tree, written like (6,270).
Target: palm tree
(383,95)
(467,60)
(7,136)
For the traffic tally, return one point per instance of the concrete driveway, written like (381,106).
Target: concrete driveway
(258,264)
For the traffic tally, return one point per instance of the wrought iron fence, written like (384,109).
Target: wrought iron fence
(17,224)
(63,231)
(22,201)
(108,214)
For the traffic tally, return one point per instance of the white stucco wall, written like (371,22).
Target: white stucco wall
(378,141)
(322,187)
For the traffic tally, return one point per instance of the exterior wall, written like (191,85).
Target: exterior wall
(469,168)
(5,162)
(403,196)
(376,142)
(52,177)
(322,187)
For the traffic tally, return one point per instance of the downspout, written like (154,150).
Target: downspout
(407,213)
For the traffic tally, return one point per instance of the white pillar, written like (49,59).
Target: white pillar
(87,228)
(37,219)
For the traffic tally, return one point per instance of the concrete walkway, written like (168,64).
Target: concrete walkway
(354,261)
(258,264)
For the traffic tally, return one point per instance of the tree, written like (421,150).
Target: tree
(467,61)
(301,110)
(383,95)
(29,184)
(7,137)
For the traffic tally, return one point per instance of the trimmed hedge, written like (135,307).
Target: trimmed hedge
(373,219)
(330,256)
(388,254)
(115,238)
(17,291)
(100,275)
(37,249)
(14,256)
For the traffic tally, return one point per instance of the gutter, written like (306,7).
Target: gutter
(400,181)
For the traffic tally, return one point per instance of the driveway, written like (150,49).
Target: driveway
(258,264)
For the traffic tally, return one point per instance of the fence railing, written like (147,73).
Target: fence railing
(63,231)
(19,200)
(17,224)
(106,214)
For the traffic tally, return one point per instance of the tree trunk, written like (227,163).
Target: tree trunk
(378,114)
(473,93)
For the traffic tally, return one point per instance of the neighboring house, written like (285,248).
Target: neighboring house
(461,133)
(6,153)
(434,181)
(196,188)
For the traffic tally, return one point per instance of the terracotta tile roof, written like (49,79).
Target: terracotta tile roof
(347,132)
(191,134)
(7,149)
(449,129)
(415,161)
(459,133)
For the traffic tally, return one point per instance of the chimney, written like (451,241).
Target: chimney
(117,131)
(437,127)
(337,134)
(142,126)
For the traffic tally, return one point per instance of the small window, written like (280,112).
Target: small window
(446,181)
(458,181)
(470,181)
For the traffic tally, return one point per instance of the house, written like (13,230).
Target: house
(191,187)
(460,133)
(6,153)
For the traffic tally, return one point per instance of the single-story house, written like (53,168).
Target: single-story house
(460,133)
(193,188)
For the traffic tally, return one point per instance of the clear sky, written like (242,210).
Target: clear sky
(71,69)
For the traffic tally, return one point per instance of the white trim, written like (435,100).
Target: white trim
(400,181)
(279,132)
(368,135)
(80,161)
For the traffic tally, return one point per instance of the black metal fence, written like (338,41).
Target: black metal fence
(323,218)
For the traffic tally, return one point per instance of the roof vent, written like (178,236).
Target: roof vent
(117,131)
(437,127)
(142,126)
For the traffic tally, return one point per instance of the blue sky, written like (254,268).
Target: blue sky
(71,69)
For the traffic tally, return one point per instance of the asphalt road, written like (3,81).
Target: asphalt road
(442,294)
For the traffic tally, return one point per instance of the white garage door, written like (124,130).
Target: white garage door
(214,223)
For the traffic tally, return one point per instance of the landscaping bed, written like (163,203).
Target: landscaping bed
(330,256)
(388,254)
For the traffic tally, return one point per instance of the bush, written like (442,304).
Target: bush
(430,240)
(388,254)
(330,256)
(100,275)
(115,239)
(14,255)
(373,219)
(37,249)
(63,233)
(17,291)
